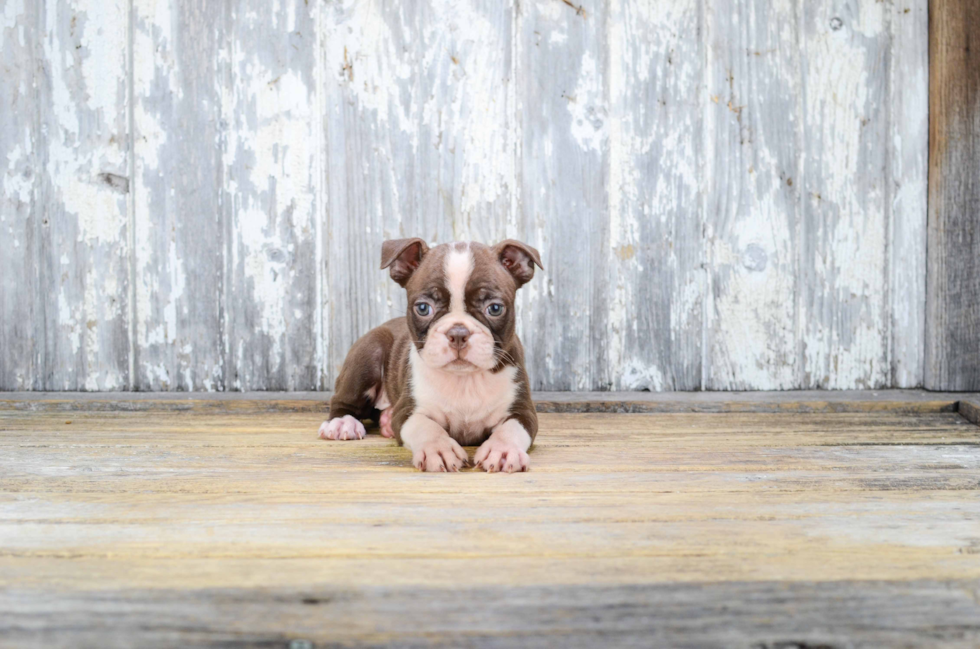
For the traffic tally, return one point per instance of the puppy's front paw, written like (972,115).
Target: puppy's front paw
(496,455)
(345,427)
(440,454)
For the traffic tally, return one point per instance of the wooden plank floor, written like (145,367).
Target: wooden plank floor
(237,526)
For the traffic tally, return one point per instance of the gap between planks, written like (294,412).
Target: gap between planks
(810,401)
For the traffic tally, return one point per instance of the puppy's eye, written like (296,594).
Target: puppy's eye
(495,310)
(423,309)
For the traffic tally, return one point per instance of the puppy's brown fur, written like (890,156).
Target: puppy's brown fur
(378,371)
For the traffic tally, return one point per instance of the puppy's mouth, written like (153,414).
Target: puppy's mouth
(460,365)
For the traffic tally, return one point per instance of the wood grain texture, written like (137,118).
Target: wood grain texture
(716,525)
(370,58)
(754,141)
(969,409)
(466,120)
(179,221)
(82,195)
(649,328)
(271,158)
(728,194)
(18,215)
(844,323)
(908,189)
(953,311)
(766,615)
(564,112)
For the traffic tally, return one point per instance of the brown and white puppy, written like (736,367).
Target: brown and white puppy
(450,373)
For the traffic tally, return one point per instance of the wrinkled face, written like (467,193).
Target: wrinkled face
(461,308)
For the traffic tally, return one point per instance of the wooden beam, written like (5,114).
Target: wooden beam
(970,410)
(804,401)
(953,297)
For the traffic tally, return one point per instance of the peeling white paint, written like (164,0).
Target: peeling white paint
(750,234)
(84,182)
(587,107)
(365,61)
(18,175)
(622,193)
(641,376)
(17,185)
(403,123)
(849,223)
(104,26)
(66,319)
(271,152)
(12,12)
(465,114)
(909,124)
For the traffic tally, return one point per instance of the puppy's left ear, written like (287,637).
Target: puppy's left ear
(403,256)
(519,260)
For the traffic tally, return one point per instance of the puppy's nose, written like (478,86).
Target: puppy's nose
(458,335)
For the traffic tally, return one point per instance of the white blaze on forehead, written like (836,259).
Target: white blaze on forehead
(459,267)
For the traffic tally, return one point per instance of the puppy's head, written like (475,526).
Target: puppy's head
(460,298)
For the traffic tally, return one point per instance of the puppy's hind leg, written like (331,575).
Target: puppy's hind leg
(358,386)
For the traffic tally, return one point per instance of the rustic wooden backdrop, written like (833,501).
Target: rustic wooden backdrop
(728,194)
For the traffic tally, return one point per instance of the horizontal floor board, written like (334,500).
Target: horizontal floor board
(154,523)
(704,615)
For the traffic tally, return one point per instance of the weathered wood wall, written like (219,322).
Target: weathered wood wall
(953,313)
(728,194)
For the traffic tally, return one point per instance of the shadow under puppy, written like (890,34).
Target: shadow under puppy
(451,372)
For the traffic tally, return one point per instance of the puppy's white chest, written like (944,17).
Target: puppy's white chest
(466,405)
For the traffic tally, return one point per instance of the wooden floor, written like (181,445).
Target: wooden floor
(234,525)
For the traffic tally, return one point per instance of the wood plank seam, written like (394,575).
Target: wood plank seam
(623,406)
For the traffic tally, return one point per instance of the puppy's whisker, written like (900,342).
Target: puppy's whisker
(501,355)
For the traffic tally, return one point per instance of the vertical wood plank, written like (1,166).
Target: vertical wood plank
(271,157)
(561,78)
(371,101)
(18,137)
(753,133)
(178,222)
(652,291)
(908,146)
(466,160)
(953,310)
(83,195)
(844,313)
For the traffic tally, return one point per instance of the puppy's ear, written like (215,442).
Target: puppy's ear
(403,256)
(519,260)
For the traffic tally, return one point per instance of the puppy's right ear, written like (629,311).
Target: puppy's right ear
(403,256)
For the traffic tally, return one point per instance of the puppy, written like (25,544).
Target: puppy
(451,372)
